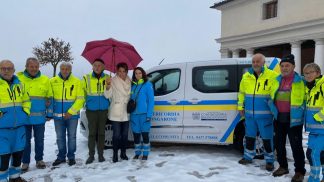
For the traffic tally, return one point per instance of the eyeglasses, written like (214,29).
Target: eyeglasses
(309,73)
(6,68)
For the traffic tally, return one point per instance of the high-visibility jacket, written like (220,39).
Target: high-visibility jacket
(39,90)
(254,93)
(94,91)
(314,114)
(297,96)
(143,95)
(14,104)
(68,96)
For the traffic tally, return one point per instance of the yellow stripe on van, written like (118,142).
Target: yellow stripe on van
(230,138)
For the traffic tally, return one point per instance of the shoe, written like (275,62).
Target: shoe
(115,157)
(244,161)
(58,162)
(298,177)
(280,171)
(24,167)
(90,160)
(71,162)
(40,165)
(19,179)
(144,158)
(101,158)
(136,157)
(269,166)
(123,156)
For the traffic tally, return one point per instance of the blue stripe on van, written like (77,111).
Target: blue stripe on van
(231,128)
(204,102)
(273,64)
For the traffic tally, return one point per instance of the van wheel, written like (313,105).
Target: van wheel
(108,136)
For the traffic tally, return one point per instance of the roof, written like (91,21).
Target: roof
(216,5)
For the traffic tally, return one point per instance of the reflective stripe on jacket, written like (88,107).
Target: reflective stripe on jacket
(314,114)
(68,96)
(145,98)
(296,99)
(94,91)
(254,93)
(14,104)
(39,91)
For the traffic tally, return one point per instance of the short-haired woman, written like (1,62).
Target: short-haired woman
(314,119)
(118,92)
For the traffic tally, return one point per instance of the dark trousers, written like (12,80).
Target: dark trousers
(120,135)
(96,124)
(295,135)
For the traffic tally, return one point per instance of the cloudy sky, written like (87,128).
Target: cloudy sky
(177,30)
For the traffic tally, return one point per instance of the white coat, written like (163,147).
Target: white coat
(118,94)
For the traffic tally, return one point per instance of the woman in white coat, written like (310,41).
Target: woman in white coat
(118,92)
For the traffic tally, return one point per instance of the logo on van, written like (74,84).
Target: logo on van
(209,116)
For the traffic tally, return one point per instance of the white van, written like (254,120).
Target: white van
(195,102)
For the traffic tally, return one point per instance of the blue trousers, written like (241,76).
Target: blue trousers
(14,170)
(120,135)
(265,128)
(141,127)
(314,155)
(66,129)
(12,143)
(39,131)
(12,140)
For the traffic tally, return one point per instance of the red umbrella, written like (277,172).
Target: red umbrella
(112,52)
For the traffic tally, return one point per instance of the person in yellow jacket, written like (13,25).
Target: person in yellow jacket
(253,98)
(288,95)
(39,90)
(314,117)
(96,105)
(14,111)
(68,100)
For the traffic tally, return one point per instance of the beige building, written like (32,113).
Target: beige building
(274,28)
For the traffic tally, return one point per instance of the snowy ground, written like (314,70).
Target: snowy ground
(167,163)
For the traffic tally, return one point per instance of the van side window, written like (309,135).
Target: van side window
(215,79)
(165,81)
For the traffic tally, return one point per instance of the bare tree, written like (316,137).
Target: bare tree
(53,51)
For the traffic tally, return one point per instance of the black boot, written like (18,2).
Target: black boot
(115,156)
(123,155)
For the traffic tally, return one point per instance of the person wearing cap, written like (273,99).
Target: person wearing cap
(288,97)
(96,105)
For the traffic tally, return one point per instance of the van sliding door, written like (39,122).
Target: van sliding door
(211,100)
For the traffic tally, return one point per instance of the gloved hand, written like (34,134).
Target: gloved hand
(318,117)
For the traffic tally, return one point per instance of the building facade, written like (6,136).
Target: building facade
(274,28)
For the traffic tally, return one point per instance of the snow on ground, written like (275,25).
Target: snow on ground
(166,163)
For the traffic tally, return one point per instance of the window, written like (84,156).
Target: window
(270,9)
(215,79)
(165,81)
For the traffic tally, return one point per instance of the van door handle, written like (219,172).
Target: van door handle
(194,101)
(173,101)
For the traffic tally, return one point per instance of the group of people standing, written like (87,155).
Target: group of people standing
(278,105)
(30,99)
